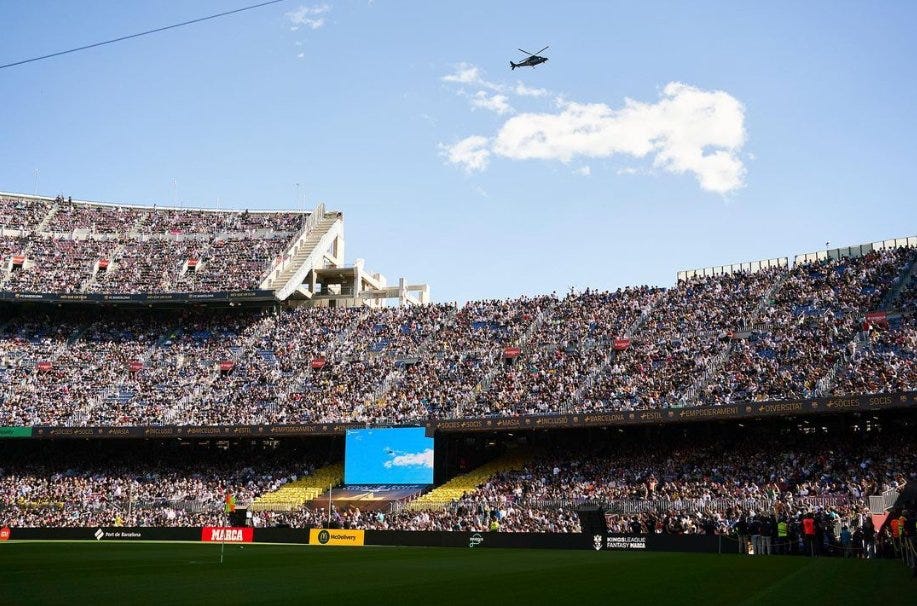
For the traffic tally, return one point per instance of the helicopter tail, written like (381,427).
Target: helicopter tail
(512,65)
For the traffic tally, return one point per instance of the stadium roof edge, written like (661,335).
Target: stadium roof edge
(162,207)
(842,251)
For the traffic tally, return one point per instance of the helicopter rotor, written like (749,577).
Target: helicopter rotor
(531,54)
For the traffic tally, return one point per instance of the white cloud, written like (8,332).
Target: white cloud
(464,73)
(526,91)
(471,153)
(583,171)
(498,101)
(412,459)
(495,103)
(307,16)
(688,130)
(301,55)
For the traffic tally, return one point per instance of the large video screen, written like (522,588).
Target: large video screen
(402,455)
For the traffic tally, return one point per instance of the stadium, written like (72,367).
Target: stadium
(582,343)
(191,375)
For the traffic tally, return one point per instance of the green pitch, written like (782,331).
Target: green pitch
(170,573)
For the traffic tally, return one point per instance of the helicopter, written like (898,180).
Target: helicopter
(532,60)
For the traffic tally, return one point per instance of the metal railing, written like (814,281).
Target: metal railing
(637,506)
(881,503)
(283,262)
(855,251)
(749,267)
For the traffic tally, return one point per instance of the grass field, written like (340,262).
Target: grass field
(105,573)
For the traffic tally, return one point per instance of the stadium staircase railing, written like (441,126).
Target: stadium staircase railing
(306,251)
(590,379)
(891,298)
(114,254)
(693,505)
(297,493)
(421,352)
(497,367)
(298,381)
(881,503)
(825,384)
(44,222)
(715,365)
(860,341)
(467,483)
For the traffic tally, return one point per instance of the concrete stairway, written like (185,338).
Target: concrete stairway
(306,250)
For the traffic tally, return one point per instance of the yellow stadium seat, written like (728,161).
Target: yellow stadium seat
(460,485)
(295,494)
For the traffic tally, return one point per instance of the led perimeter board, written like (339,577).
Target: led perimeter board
(402,455)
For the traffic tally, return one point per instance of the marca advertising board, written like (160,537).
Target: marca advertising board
(624,542)
(227,534)
(332,536)
(693,543)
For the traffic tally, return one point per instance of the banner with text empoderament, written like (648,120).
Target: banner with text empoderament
(744,410)
(141,298)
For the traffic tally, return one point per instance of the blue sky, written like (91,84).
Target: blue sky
(753,130)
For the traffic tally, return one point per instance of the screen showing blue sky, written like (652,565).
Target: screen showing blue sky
(388,456)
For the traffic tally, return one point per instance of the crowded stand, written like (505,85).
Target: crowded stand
(661,482)
(351,378)
(907,300)
(770,335)
(19,214)
(463,353)
(569,345)
(69,217)
(671,485)
(807,328)
(887,361)
(57,265)
(688,329)
(176,222)
(837,326)
(158,487)
(141,267)
(466,515)
(67,247)
(232,264)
